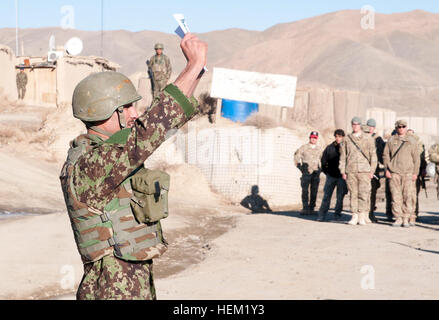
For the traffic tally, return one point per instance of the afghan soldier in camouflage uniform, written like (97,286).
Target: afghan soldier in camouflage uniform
(98,177)
(421,175)
(161,69)
(307,159)
(434,157)
(375,185)
(402,162)
(21,83)
(358,162)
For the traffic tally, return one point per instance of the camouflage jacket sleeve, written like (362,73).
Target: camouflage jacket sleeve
(342,165)
(99,173)
(416,159)
(168,68)
(298,156)
(386,155)
(373,155)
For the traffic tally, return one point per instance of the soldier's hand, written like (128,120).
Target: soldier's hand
(345,177)
(388,175)
(371,176)
(415,177)
(194,50)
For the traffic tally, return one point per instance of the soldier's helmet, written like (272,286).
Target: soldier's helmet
(100,94)
(158,46)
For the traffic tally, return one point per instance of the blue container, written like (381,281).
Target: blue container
(238,111)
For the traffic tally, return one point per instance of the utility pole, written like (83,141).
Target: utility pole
(16,28)
(102,28)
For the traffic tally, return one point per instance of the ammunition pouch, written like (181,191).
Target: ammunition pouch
(149,202)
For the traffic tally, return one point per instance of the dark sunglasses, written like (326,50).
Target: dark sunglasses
(402,127)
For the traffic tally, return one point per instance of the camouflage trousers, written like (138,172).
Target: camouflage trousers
(403,190)
(21,92)
(159,86)
(310,187)
(330,185)
(113,279)
(359,186)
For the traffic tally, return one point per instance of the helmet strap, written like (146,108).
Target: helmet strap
(101,131)
(122,120)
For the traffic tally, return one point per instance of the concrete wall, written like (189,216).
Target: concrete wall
(71,70)
(8,86)
(41,87)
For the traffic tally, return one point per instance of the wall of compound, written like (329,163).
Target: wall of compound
(235,159)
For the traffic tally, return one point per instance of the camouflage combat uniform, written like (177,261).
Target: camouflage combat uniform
(358,168)
(97,177)
(402,166)
(21,84)
(307,159)
(421,173)
(161,69)
(434,157)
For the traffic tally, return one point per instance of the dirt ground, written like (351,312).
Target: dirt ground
(217,250)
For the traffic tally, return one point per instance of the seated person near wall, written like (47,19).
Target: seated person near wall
(255,202)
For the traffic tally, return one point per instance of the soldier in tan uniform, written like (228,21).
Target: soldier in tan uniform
(420,182)
(358,162)
(433,153)
(161,70)
(375,183)
(402,162)
(307,159)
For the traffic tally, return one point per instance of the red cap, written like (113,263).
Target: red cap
(314,135)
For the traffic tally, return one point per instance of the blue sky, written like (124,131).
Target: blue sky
(202,16)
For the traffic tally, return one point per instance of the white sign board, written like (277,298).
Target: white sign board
(264,88)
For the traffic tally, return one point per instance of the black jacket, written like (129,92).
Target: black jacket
(331,160)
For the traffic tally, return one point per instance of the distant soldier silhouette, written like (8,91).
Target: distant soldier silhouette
(21,83)
(161,69)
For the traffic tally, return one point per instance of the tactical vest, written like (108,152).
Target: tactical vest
(115,230)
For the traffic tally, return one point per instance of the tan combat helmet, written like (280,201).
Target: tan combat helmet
(158,46)
(100,94)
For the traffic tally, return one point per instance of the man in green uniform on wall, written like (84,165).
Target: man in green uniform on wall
(103,177)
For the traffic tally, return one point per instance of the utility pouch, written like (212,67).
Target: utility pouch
(150,195)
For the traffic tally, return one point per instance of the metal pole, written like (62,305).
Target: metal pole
(16,28)
(102,28)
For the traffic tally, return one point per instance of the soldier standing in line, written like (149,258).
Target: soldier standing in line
(433,153)
(307,159)
(358,162)
(375,185)
(104,178)
(402,162)
(161,69)
(330,167)
(420,182)
(21,83)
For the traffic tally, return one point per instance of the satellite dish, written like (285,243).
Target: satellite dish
(52,45)
(74,46)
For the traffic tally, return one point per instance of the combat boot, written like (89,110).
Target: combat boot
(398,222)
(372,217)
(321,217)
(412,221)
(406,223)
(362,221)
(354,220)
(304,212)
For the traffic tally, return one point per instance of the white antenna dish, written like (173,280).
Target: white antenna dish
(74,46)
(52,45)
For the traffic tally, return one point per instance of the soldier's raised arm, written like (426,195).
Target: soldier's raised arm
(127,149)
(343,156)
